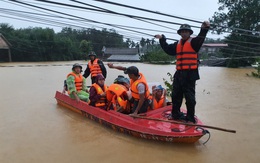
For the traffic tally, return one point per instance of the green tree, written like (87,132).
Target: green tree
(147,42)
(132,44)
(128,42)
(242,21)
(39,44)
(85,47)
(157,55)
(142,42)
(6,29)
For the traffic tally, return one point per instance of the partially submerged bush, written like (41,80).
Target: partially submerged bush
(168,84)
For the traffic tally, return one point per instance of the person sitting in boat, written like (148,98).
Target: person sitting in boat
(76,84)
(159,99)
(98,93)
(125,82)
(118,96)
(139,88)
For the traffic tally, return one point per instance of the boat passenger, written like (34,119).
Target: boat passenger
(76,84)
(95,66)
(125,82)
(118,95)
(139,88)
(159,99)
(98,93)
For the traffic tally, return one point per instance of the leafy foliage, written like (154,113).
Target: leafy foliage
(156,54)
(85,47)
(39,44)
(168,84)
(257,73)
(242,21)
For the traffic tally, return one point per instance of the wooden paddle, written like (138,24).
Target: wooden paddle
(183,123)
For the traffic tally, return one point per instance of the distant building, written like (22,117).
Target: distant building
(5,49)
(123,54)
(213,60)
(212,48)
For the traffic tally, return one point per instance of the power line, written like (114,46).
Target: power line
(245,47)
(244,42)
(82,18)
(127,29)
(62,25)
(131,16)
(159,13)
(119,13)
(241,50)
(10,11)
(141,9)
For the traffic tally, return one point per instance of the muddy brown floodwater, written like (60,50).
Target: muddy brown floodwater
(33,128)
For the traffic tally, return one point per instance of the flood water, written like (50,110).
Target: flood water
(33,128)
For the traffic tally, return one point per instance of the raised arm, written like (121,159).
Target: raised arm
(197,42)
(170,49)
(111,65)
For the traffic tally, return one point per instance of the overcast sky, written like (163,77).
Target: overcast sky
(199,10)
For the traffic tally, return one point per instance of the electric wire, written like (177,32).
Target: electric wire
(133,16)
(248,42)
(118,13)
(155,12)
(83,18)
(169,38)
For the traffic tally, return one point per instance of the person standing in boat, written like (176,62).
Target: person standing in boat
(139,88)
(186,52)
(95,66)
(76,84)
(159,99)
(98,93)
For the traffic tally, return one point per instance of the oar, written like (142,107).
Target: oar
(188,124)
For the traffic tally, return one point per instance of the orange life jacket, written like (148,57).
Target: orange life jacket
(102,101)
(134,85)
(186,56)
(78,80)
(117,95)
(94,68)
(158,104)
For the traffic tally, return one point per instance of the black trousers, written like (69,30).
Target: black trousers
(143,108)
(183,86)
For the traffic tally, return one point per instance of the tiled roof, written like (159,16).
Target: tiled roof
(215,45)
(132,58)
(121,51)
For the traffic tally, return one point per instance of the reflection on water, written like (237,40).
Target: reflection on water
(34,129)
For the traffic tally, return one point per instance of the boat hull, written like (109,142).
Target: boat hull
(137,127)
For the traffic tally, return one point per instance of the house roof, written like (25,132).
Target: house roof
(215,45)
(121,51)
(131,58)
(4,44)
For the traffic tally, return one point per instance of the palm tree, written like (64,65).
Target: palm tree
(147,43)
